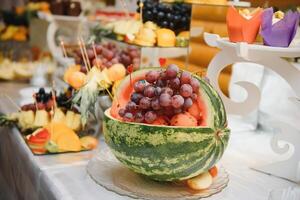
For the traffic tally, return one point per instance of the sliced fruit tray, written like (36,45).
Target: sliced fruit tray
(51,125)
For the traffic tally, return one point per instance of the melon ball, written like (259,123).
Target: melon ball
(184,119)
(77,79)
(116,72)
(160,121)
(195,111)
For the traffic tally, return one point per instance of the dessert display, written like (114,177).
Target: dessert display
(23,70)
(243,26)
(51,124)
(162,25)
(168,125)
(279,29)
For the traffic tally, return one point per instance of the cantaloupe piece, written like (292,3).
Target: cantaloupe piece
(201,182)
(56,129)
(70,70)
(76,79)
(116,72)
(88,142)
(68,141)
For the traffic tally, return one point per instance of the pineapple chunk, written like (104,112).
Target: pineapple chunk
(26,119)
(69,118)
(59,116)
(76,124)
(41,118)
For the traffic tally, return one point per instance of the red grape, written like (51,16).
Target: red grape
(152,76)
(167,90)
(172,71)
(122,112)
(145,103)
(149,91)
(158,91)
(165,99)
(150,116)
(187,103)
(177,101)
(139,117)
(175,83)
(186,90)
(90,54)
(131,106)
(155,104)
(139,86)
(136,97)
(195,84)
(128,117)
(185,77)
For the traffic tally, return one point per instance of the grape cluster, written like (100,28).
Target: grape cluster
(107,55)
(175,16)
(162,93)
(44,101)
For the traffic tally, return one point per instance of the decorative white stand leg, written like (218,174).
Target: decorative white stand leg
(271,58)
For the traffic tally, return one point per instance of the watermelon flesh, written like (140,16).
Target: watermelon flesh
(125,90)
(168,153)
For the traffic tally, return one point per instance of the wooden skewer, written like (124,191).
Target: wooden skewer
(94,49)
(141,5)
(85,52)
(125,7)
(63,49)
(12,102)
(83,56)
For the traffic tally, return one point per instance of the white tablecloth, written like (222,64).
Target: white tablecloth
(64,176)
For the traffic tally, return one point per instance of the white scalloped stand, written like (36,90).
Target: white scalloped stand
(272,58)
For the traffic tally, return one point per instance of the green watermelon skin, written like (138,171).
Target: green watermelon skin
(166,153)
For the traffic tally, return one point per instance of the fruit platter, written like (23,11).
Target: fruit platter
(158,25)
(51,124)
(166,125)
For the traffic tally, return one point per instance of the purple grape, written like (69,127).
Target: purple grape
(177,101)
(152,76)
(160,83)
(172,71)
(139,86)
(150,117)
(128,117)
(155,104)
(122,112)
(165,99)
(131,106)
(139,117)
(195,84)
(136,97)
(167,90)
(188,102)
(158,91)
(149,91)
(185,77)
(145,103)
(186,90)
(169,111)
(175,83)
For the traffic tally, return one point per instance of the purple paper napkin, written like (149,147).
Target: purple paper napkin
(282,32)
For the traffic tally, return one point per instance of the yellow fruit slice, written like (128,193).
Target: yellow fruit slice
(68,141)
(41,118)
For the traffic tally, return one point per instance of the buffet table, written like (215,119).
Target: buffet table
(64,176)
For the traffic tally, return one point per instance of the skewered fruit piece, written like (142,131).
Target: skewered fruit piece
(201,182)
(41,118)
